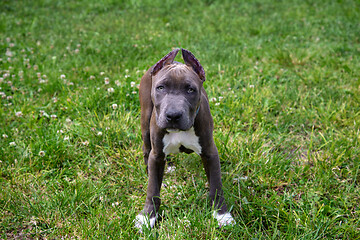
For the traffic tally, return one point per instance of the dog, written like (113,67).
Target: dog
(175,117)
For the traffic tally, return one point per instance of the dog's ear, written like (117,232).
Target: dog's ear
(168,59)
(190,60)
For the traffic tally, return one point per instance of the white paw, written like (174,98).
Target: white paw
(144,221)
(224,219)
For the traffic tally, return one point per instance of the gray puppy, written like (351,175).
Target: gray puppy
(175,117)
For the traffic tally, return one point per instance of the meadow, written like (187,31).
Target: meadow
(283,81)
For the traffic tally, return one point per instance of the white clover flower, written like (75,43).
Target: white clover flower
(106,80)
(114,106)
(102,73)
(86,143)
(68,120)
(213,99)
(92,77)
(33,220)
(43,113)
(41,153)
(12,144)
(111,90)
(132,84)
(53,116)
(185,221)
(9,53)
(217,104)
(62,76)
(115,204)
(99,133)
(77,51)
(66,138)
(117,82)
(251,86)
(5,136)
(19,114)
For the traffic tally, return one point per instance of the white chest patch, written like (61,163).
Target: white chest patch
(173,141)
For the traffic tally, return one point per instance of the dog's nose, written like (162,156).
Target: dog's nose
(173,116)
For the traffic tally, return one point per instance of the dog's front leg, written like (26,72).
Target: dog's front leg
(212,168)
(148,216)
(211,164)
(156,171)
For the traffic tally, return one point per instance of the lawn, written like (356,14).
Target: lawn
(283,81)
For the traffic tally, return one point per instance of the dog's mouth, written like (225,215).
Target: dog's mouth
(176,127)
(173,130)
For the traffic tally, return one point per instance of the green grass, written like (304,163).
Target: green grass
(283,77)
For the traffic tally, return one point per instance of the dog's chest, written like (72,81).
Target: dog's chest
(174,141)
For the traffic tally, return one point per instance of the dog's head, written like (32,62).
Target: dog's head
(176,90)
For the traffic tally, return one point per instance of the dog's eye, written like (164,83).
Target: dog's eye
(190,90)
(160,88)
